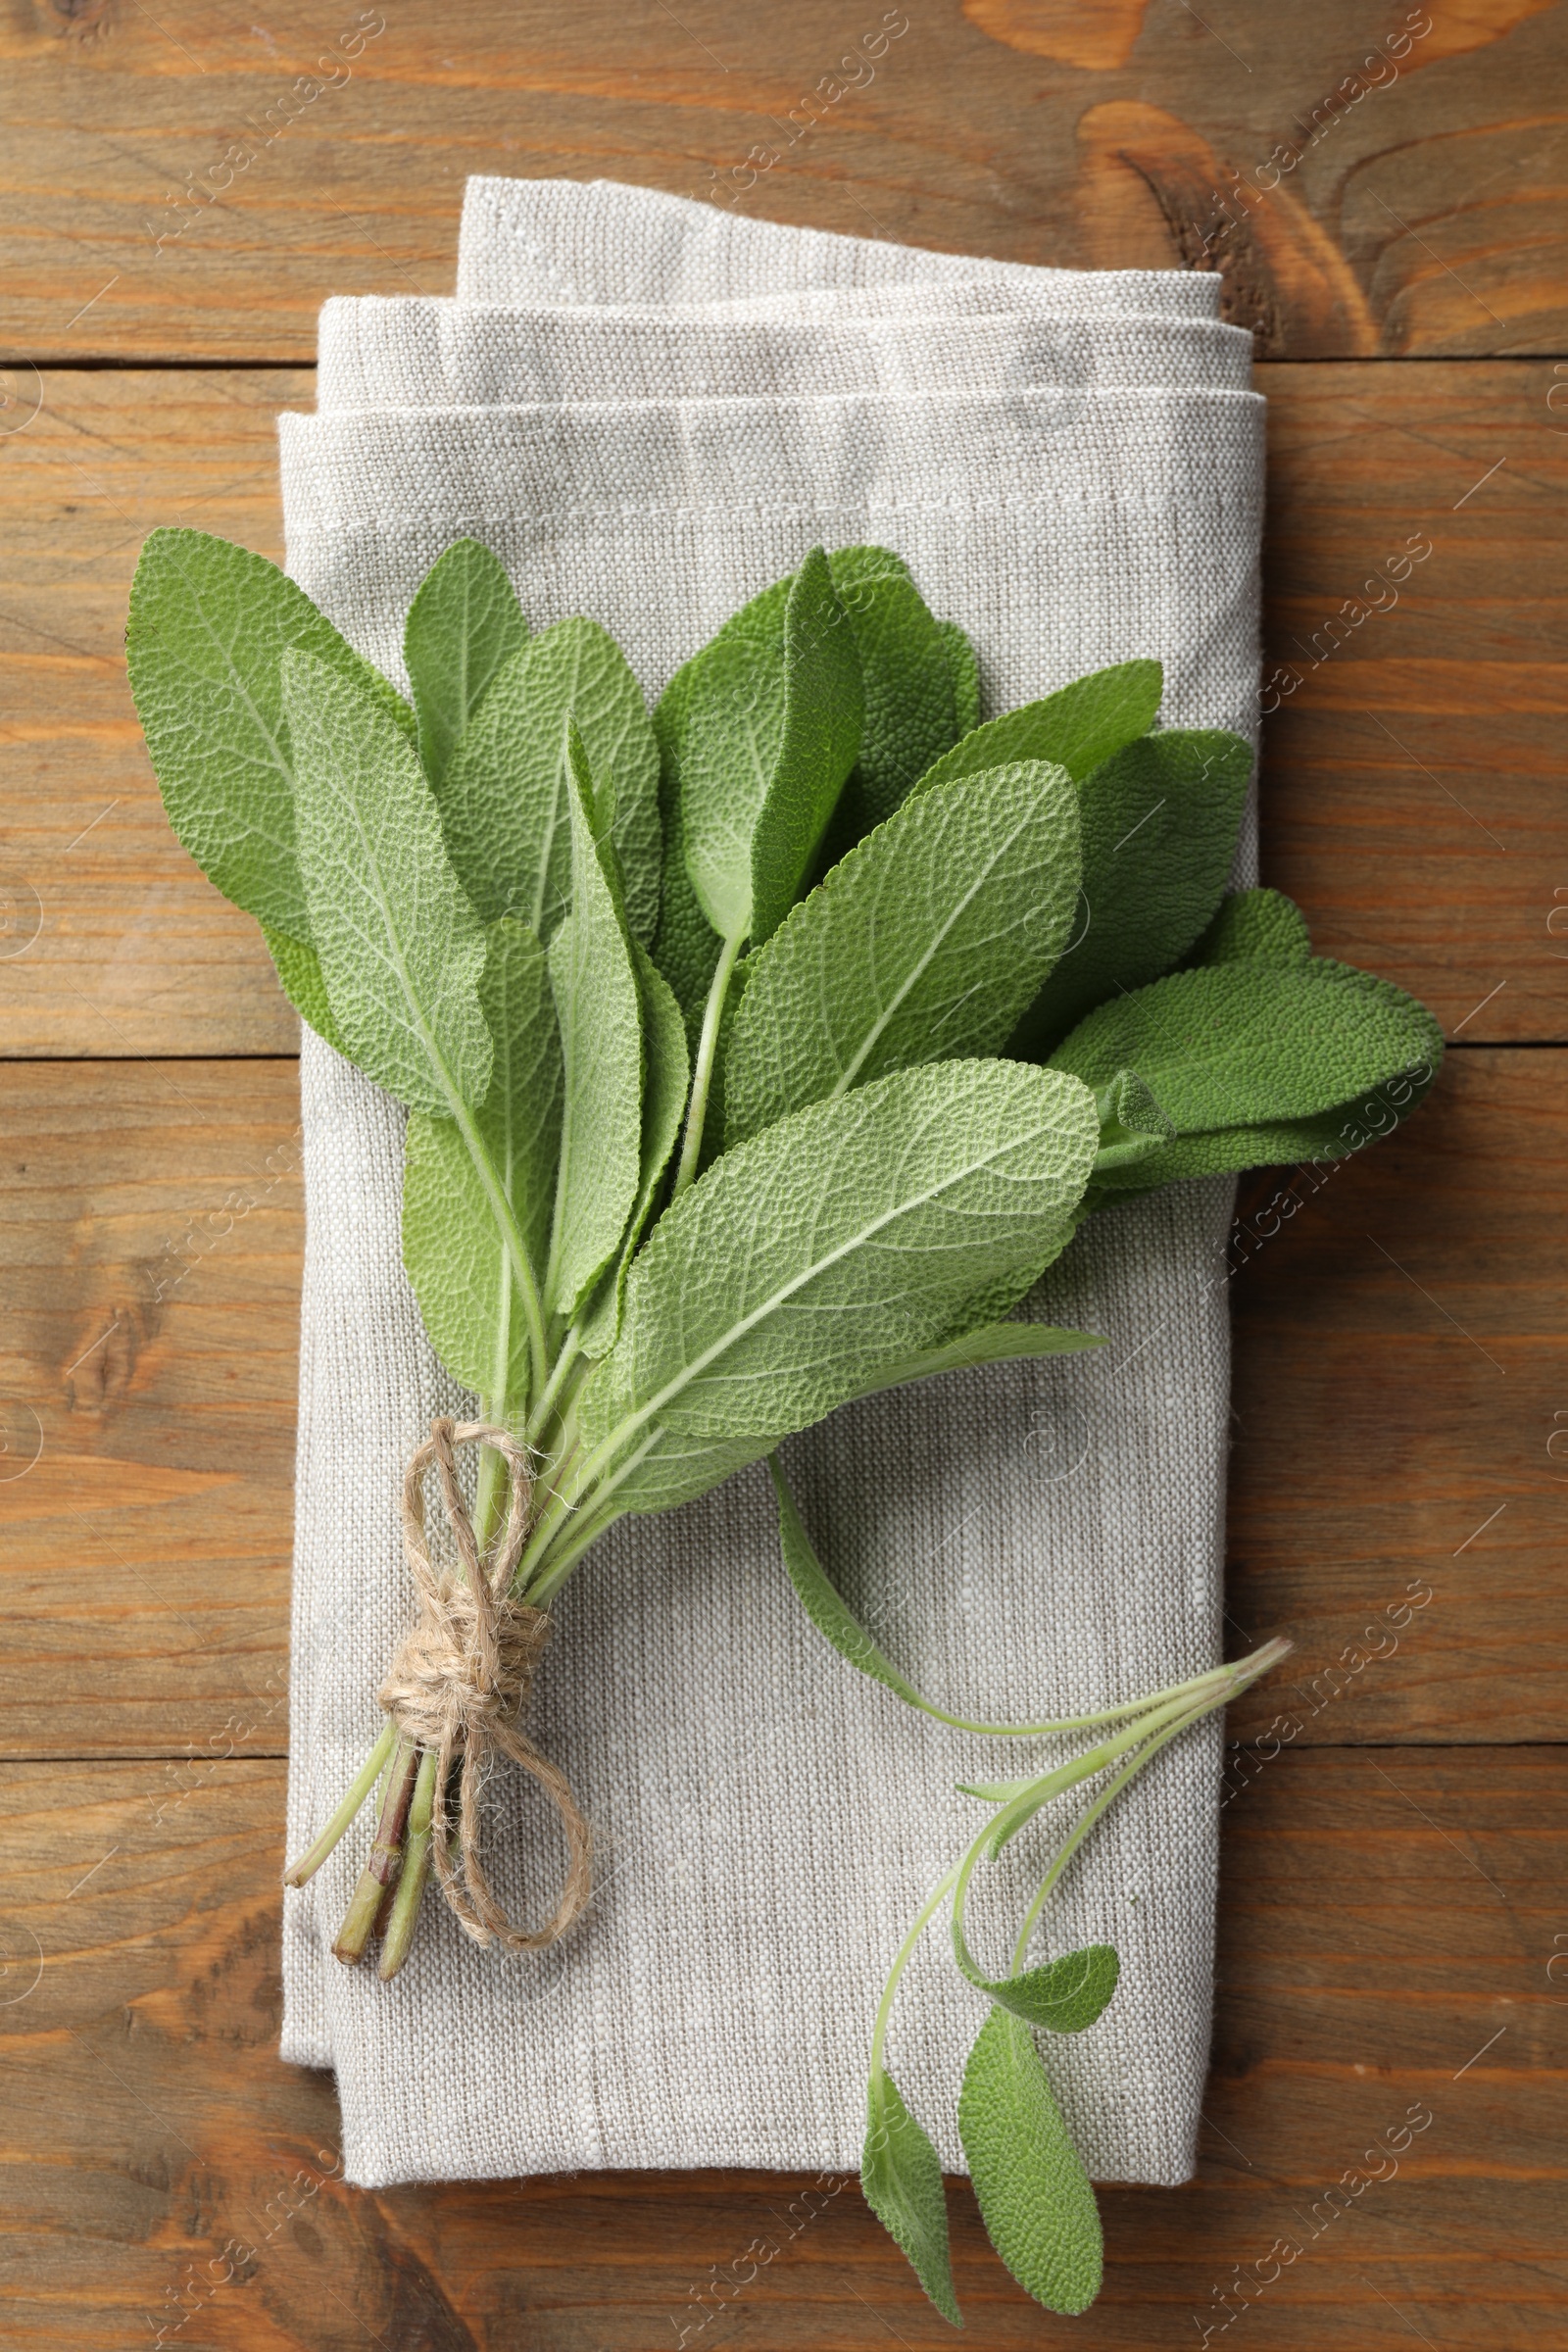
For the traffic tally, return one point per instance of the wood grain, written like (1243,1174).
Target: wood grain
(111,941)
(183,183)
(1412,792)
(163,2168)
(1411,796)
(1399,1377)
(151,1243)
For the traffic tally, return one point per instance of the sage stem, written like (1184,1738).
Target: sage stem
(511,1240)
(1244,1672)
(933,1904)
(1078,1722)
(385,1858)
(310,1862)
(1029,1800)
(570,1351)
(405,1911)
(690,1149)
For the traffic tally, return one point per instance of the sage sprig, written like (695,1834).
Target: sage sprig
(759,1052)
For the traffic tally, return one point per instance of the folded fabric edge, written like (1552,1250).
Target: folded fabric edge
(575,232)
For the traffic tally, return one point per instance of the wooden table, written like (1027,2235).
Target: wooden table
(1394,1926)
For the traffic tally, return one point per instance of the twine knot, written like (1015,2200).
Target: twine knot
(461,1677)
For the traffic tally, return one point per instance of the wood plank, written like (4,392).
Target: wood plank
(1411,798)
(186,183)
(1413,681)
(111,939)
(1384,1412)
(148,1364)
(1380,1929)
(1400,1371)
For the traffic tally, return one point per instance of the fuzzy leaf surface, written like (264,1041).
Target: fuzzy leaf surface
(1078,727)
(925,944)
(464,622)
(594,981)
(911,715)
(669,1074)
(1133,1123)
(1335,1134)
(1062,1996)
(1159,826)
(668,1468)
(505,800)
(841,1241)
(745,657)
(453,1252)
(1234,1047)
(901,2177)
(767,723)
(1255,926)
(963,668)
(400,948)
(208,629)
(299,976)
(825,717)
(1029,2182)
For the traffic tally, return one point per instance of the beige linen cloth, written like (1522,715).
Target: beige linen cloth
(1027,1540)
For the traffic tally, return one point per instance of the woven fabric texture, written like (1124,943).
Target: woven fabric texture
(1027,1540)
(394,354)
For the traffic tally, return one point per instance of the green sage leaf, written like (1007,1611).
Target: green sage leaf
(838,1243)
(910,717)
(1159,826)
(1078,727)
(1133,1124)
(822,1603)
(208,629)
(597,1002)
(824,716)
(1255,926)
(670,1468)
(1029,2182)
(299,975)
(401,948)
(745,660)
(669,1074)
(988,1344)
(901,2177)
(463,625)
(453,1251)
(963,668)
(1062,1996)
(1246,1058)
(764,725)
(925,944)
(506,798)
(666,1468)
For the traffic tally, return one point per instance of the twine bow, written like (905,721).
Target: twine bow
(461,1677)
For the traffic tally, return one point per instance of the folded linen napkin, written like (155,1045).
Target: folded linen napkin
(1029,1538)
(393,354)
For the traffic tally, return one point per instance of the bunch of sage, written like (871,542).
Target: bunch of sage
(759,1054)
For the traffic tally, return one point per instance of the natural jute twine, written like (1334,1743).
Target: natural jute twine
(461,1677)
